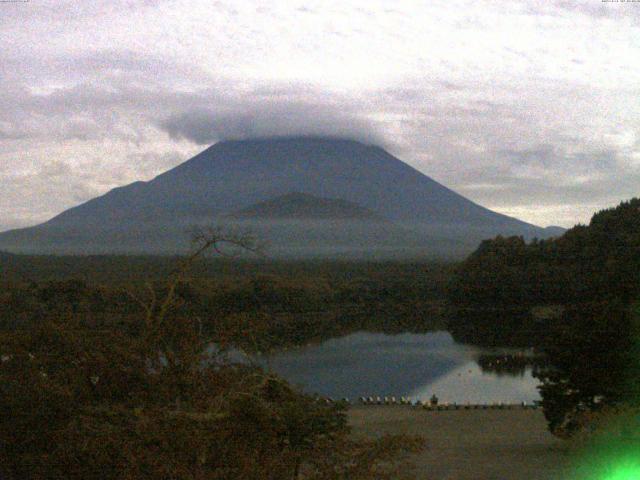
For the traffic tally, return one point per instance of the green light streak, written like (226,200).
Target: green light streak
(625,471)
(613,460)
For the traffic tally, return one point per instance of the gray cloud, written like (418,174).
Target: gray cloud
(268,119)
(504,102)
(597,10)
(103,106)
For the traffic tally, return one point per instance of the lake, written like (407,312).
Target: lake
(408,364)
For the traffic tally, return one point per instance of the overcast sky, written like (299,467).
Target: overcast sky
(531,108)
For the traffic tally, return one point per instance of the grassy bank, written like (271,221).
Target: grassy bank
(471,444)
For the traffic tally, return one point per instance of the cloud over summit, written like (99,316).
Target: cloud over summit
(529,108)
(268,119)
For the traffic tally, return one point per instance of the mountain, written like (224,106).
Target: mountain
(248,179)
(553,231)
(302,205)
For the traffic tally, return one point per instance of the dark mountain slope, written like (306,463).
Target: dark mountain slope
(304,206)
(151,217)
(233,175)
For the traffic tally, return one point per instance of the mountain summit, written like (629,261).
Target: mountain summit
(233,177)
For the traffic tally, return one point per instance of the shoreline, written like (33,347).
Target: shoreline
(486,444)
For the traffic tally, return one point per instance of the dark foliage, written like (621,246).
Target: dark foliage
(262,305)
(572,298)
(114,383)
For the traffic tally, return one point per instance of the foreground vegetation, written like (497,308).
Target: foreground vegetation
(101,382)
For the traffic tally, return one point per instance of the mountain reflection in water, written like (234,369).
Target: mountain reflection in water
(408,364)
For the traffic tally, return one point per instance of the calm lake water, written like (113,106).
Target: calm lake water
(415,365)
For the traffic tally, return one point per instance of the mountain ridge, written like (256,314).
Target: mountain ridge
(229,176)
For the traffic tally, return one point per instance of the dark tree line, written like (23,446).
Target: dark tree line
(573,297)
(262,306)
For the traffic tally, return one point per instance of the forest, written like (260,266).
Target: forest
(106,369)
(575,298)
(262,304)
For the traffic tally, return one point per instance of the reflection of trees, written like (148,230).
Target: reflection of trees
(574,298)
(491,327)
(505,364)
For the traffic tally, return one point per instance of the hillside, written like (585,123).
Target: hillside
(232,177)
(301,205)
